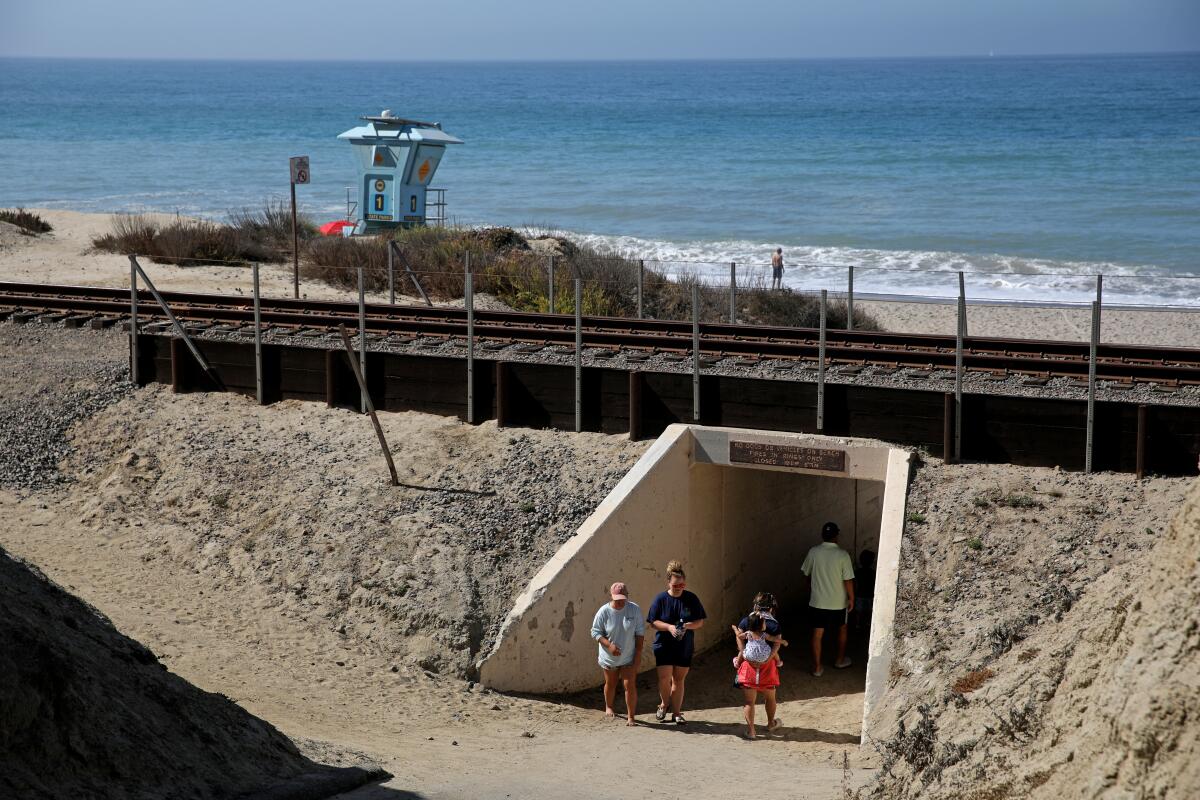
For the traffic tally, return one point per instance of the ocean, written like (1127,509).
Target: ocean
(1032,174)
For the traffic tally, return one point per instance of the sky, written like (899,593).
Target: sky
(574,29)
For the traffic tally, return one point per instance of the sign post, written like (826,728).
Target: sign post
(299,169)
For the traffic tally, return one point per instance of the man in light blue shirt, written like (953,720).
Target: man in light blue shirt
(830,574)
(620,631)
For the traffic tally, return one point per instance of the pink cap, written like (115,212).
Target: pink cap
(618,591)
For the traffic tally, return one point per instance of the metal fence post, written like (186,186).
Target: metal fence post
(641,286)
(821,364)
(850,298)
(133,322)
(469,302)
(258,362)
(962,302)
(1091,403)
(733,293)
(696,353)
(1099,299)
(362,338)
(578,355)
(550,286)
(960,332)
(391,248)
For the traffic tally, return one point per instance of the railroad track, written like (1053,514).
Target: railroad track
(78,305)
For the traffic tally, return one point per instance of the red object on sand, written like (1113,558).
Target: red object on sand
(334,228)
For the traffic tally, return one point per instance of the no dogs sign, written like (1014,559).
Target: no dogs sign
(299,165)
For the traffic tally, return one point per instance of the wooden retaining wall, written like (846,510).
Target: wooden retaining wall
(996,429)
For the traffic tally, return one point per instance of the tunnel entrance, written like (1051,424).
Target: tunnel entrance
(740,509)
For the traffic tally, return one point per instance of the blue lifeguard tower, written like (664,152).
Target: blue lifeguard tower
(397,159)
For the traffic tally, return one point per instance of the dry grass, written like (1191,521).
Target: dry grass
(25,220)
(972,680)
(251,235)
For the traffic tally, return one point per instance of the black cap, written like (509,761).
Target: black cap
(830,529)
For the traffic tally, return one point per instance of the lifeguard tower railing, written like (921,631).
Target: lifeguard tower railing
(435,207)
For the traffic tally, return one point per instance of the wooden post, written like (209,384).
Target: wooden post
(177,366)
(330,384)
(948,420)
(501,394)
(362,385)
(821,363)
(1142,434)
(258,363)
(635,406)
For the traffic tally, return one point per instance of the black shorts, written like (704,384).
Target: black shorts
(678,656)
(826,618)
(776,272)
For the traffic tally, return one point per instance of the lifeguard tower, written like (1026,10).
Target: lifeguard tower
(397,159)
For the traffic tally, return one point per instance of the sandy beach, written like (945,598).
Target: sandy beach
(65,257)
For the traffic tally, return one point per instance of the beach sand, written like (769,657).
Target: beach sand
(65,257)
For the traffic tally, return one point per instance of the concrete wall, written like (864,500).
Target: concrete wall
(738,529)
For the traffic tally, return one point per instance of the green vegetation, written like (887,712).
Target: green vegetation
(981,502)
(509,265)
(975,543)
(916,518)
(28,223)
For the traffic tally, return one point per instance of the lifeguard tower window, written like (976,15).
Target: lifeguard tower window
(397,158)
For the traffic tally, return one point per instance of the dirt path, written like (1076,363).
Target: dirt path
(440,739)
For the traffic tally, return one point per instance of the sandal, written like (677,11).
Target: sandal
(660,713)
(679,720)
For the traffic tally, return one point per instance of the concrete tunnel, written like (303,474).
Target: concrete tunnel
(740,508)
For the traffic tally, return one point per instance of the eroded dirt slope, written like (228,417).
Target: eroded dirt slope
(1048,641)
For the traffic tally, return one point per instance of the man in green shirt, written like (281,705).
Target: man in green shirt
(830,574)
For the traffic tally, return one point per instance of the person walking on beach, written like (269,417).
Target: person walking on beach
(620,631)
(777,269)
(675,614)
(830,574)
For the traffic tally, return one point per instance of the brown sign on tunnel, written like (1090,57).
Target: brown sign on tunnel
(783,455)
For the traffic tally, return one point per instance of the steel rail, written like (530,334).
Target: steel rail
(1123,363)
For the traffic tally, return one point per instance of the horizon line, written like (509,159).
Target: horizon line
(602,60)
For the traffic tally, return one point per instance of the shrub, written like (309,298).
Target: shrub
(917,518)
(252,236)
(975,543)
(271,225)
(28,222)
